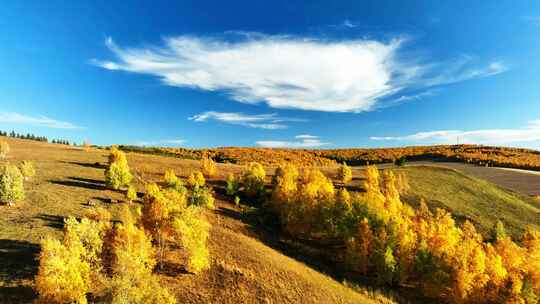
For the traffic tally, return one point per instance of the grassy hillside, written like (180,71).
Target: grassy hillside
(245,269)
(470,198)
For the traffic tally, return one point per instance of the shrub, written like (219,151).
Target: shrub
(193,230)
(4,149)
(232,185)
(345,173)
(170,178)
(11,184)
(27,169)
(202,197)
(63,275)
(196,179)
(208,167)
(131,193)
(254,179)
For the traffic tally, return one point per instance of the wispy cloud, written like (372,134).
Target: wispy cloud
(348,23)
(163,142)
(42,121)
(531,19)
(530,133)
(303,141)
(261,121)
(294,72)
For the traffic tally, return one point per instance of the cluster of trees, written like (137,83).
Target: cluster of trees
(30,136)
(111,261)
(399,245)
(115,261)
(250,183)
(474,154)
(24,136)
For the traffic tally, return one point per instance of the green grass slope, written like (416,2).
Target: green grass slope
(473,199)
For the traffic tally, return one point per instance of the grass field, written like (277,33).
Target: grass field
(250,263)
(246,268)
(471,198)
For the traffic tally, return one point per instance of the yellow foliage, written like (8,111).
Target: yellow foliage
(196,179)
(345,173)
(27,169)
(117,174)
(131,193)
(4,149)
(253,179)
(11,184)
(192,229)
(208,167)
(63,275)
(170,178)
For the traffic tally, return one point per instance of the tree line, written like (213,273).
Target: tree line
(30,136)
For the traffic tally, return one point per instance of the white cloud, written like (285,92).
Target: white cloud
(292,72)
(163,142)
(261,121)
(42,121)
(305,141)
(306,136)
(530,133)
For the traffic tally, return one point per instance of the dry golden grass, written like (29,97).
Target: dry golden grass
(244,270)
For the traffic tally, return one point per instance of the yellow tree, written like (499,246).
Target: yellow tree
(63,274)
(193,230)
(196,180)
(4,149)
(170,178)
(11,184)
(27,169)
(344,173)
(253,179)
(208,166)
(117,174)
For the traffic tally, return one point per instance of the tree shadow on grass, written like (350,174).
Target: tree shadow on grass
(53,221)
(80,184)
(87,180)
(18,261)
(95,165)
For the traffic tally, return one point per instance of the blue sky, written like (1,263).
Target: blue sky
(301,74)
